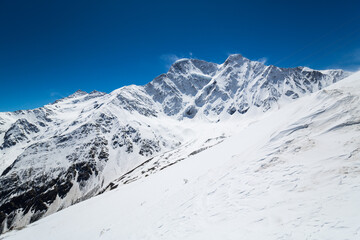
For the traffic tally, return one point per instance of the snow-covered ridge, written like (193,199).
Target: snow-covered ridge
(72,149)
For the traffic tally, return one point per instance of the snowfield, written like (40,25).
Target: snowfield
(292,173)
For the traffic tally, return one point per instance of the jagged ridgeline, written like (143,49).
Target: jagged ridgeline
(74,148)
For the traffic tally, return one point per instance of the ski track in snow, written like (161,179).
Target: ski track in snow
(294,174)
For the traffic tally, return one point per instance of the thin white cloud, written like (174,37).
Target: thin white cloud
(169,59)
(54,94)
(263,60)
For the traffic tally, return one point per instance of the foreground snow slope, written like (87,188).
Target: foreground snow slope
(293,174)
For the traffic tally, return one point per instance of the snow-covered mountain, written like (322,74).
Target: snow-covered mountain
(290,173)
(88,143)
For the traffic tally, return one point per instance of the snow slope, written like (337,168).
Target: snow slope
(292,173)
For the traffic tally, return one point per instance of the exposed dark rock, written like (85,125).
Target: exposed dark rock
(64,188)
(190,112)
(243,108)
(231,110)
(18,132)
(289,92)
(148,147)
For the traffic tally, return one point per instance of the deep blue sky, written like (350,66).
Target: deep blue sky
(49,49)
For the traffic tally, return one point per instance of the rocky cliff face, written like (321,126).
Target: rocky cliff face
(72,149)
(193,87)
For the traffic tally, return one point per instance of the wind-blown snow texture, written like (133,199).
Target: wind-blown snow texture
(88,143)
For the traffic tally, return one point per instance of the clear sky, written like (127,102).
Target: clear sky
(50,49)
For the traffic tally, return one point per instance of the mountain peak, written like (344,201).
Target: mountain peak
(96,93)
(181,65)
(236,58)
(187,65)
(78,93)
